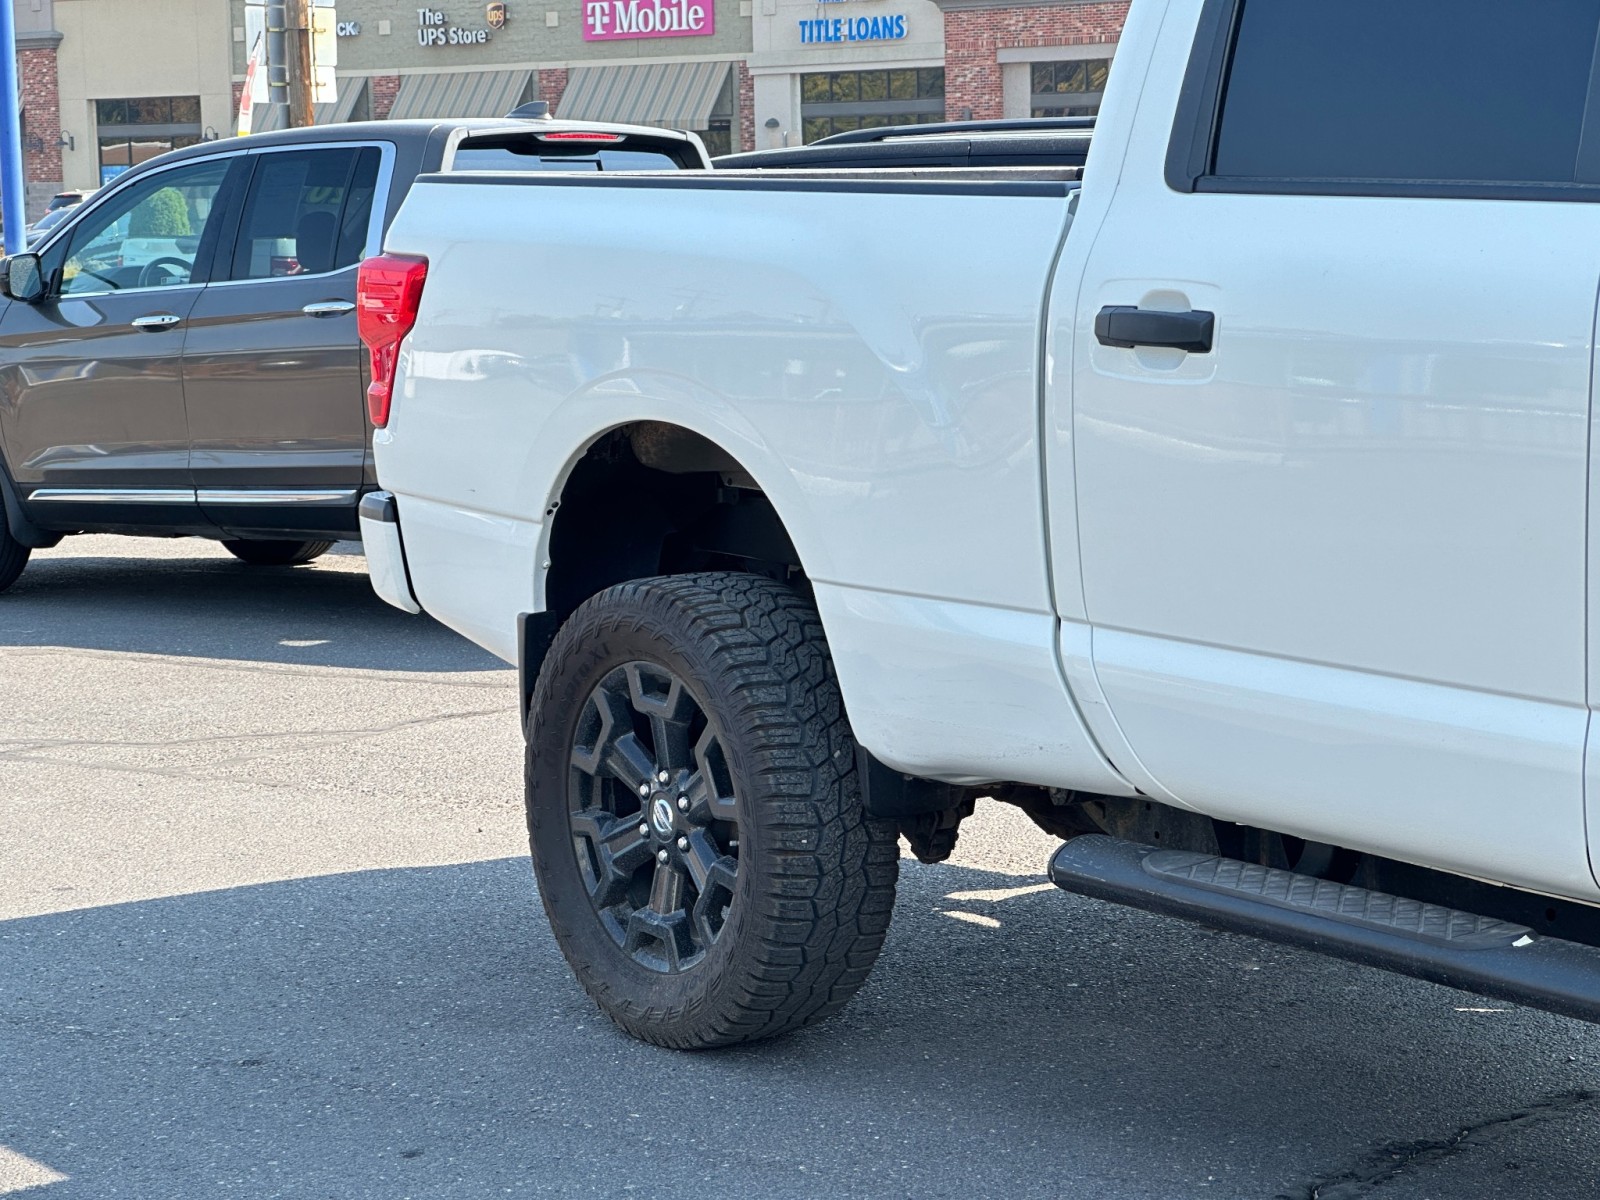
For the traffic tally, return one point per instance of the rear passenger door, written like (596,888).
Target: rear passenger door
(1335,562)
(272,366)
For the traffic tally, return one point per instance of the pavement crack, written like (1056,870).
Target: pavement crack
(91,764)
(1390,1160)
(498,677)
(29,747)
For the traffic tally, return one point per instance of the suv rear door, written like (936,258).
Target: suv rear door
(273,366)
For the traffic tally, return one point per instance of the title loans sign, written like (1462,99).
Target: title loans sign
(853,29)
(614,20)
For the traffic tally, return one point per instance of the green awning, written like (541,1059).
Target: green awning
(669,95)
(461,94)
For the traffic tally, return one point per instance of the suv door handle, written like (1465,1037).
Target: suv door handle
(1126,327)
(329,308)
(156,322)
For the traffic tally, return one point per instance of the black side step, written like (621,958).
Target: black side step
(1442,945)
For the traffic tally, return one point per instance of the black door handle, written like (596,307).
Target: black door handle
(1126,327)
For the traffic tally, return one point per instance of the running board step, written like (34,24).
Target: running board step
(1442,945)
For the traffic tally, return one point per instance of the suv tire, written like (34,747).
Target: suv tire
(744,895)
(13,554)
(275,553)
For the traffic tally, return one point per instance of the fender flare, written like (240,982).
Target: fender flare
(536,631)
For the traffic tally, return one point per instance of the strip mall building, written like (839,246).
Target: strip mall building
(108,83)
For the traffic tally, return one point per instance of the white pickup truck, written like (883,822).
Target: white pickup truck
(1233,513)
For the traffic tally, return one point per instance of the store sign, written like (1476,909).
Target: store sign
(853,29)
(434,29)
(614,20)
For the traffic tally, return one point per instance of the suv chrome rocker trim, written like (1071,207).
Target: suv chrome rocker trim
(125,495)
(111,495)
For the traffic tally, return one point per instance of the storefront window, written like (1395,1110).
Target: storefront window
(718,133)
(718,138)
(1068,89)
(843,100)
(131,131)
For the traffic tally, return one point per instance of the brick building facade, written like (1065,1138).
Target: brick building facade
(991,52)
(41,119)
(382,92)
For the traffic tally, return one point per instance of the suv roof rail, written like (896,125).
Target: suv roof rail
(1009,125)
(533,110)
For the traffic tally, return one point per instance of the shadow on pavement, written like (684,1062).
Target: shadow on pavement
(416,1033)
(214,607)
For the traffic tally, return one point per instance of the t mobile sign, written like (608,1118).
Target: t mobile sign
(612,20)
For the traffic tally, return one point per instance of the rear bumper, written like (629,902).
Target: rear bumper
(386,553)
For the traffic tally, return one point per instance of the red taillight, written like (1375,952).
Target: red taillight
(388,292)
(582,135)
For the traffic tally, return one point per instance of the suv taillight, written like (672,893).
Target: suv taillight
(388,292)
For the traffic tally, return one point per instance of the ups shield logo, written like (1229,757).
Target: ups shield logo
(496,14)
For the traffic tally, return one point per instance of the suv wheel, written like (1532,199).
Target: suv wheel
(276,554)
(694,813)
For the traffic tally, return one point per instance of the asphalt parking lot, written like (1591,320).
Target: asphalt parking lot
(267,928)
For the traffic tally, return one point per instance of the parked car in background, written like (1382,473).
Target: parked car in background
(52,218)
(179,353)
(70,197)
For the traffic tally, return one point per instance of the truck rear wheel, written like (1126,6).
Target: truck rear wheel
(276,553)
(694,814)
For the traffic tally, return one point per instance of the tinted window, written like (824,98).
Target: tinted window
(306,212)
(1408,90)
(54,217)
(147,236)
(356,219)
(522,155)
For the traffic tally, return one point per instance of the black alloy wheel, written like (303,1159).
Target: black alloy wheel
(694,813)
(655,825)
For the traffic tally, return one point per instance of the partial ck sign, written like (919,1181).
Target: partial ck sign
(612,20)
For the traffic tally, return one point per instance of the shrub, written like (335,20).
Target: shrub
(163,215)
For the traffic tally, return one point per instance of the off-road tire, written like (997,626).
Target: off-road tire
(815,881)
(276,553)
(13,554)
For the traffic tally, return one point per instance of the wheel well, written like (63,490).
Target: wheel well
(652,499)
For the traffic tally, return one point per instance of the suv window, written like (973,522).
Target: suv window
(148,236)
(306,213)
(1417,90)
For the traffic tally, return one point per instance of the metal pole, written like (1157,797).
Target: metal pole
(13,186)
(277,52)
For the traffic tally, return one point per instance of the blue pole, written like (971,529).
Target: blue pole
(13,189)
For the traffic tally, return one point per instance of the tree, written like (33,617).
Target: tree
(164,215)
